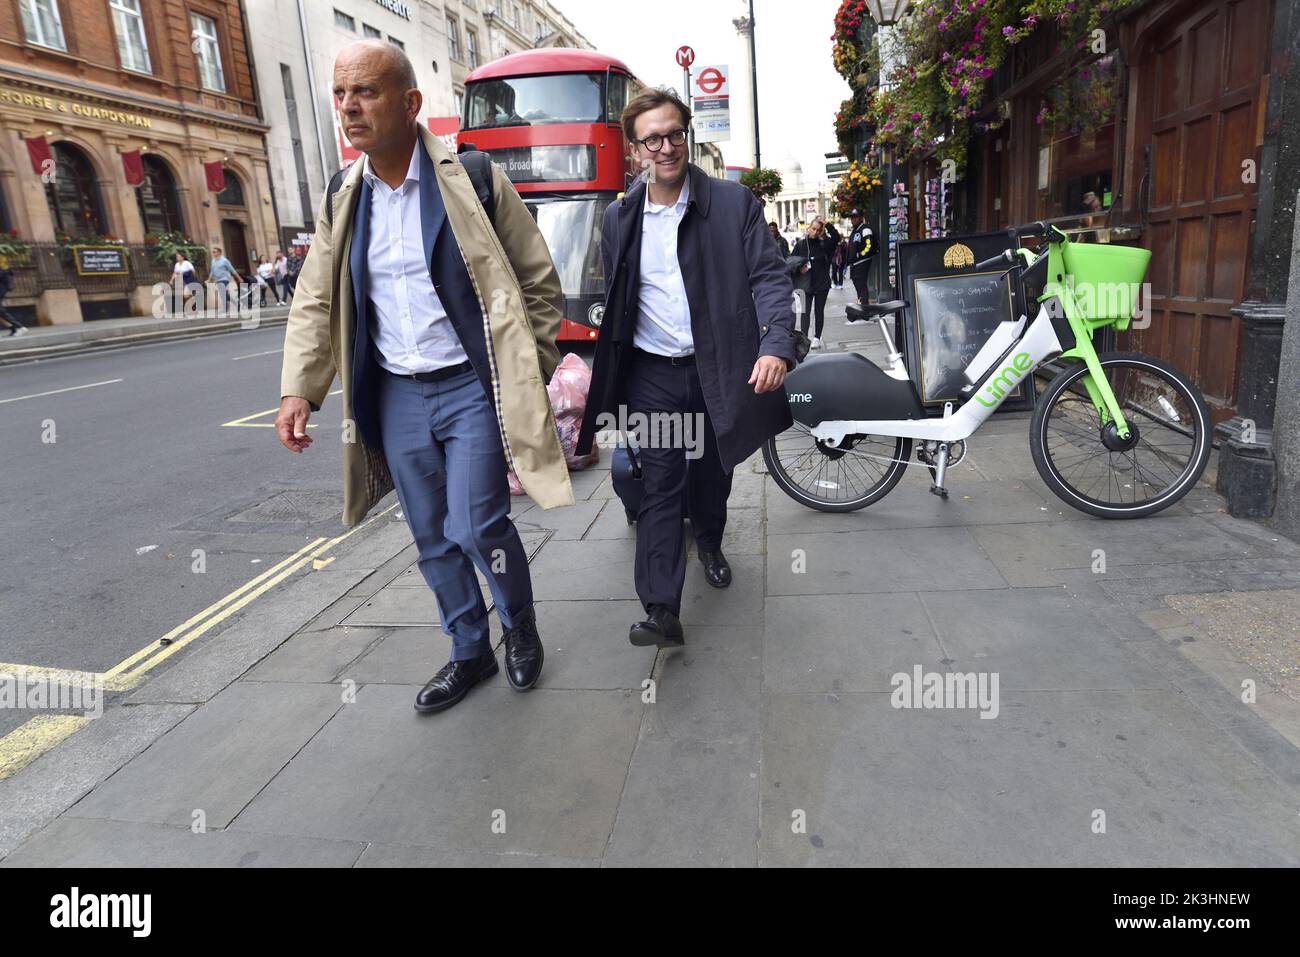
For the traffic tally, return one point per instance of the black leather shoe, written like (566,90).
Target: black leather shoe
(523,653)
(661,628)
(716,570)
(453,682)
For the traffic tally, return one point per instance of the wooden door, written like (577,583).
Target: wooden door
(1200,82)
(236,250)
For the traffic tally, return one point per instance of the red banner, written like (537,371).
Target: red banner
(216,174)
(42,158)
(133,166)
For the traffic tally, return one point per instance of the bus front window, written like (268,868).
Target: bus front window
(571,228)
(536,100)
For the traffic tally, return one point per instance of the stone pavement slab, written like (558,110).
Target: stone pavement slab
(382,773)
(218,758)
(891,787)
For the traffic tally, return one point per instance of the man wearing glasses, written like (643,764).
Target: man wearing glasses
(697,337)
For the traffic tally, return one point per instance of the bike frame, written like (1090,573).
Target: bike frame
(1058,319)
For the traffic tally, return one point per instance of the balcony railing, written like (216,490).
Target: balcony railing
(52,266)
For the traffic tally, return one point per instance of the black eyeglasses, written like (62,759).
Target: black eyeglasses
(655,141)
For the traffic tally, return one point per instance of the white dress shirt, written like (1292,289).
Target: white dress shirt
(411,329)
(664,324)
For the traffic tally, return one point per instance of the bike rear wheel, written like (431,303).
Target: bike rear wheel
(845,479)
(1086,464)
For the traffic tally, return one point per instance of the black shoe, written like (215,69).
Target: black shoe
(661,628)
(716,570)
(523,653)
(453,682)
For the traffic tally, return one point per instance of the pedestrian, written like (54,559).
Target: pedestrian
(265,278)
(16,328)
(294,268)
(222,272)
(281,277)
(839,263)
(184,277)
(698,331)
(444,378)
(782,243)
(861,251)
(816,247)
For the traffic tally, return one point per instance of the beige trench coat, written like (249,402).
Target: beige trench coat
(522,302)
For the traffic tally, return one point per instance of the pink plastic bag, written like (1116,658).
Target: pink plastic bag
(568,394)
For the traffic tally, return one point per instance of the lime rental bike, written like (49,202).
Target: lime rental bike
(1113,434)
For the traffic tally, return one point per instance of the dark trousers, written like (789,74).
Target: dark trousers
(443,448)
(816,306)
(658,387)
(859,273)
(837,274)
(7,317)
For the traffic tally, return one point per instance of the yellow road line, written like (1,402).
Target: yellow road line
(64,676)
(245,424)
(23,745)
(121,666)
(154,654)
(42,733)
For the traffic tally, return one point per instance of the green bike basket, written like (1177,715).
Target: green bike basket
(1106,280)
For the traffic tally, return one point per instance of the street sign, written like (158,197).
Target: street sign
(685,57)
(710,81)
(711,104)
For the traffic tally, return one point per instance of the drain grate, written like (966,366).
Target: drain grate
(292,506)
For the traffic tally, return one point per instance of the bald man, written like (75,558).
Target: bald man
(440,392)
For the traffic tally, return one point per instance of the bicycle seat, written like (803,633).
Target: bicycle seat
(870,310)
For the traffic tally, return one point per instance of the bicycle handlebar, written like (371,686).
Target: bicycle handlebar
(1028,231)
(1005,258)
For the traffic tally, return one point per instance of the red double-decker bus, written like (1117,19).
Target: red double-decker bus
(550,119)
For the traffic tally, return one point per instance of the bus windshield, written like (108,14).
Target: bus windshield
(571,227)
(535,100)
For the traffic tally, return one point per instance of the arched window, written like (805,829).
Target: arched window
(233,194)
(73,193)
(160,209)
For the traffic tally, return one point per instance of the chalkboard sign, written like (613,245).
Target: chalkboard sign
(955,315)
(100,260)
(939,344)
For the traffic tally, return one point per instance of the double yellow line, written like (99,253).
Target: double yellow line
(29,741)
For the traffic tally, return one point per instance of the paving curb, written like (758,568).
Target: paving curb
(80,341)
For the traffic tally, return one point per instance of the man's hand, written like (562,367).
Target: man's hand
(768,374)
(291,423)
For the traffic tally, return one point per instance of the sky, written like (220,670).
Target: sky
(798,88)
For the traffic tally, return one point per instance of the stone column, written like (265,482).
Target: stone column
(1248,468)
(1286,436)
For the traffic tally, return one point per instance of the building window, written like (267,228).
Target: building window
(132,47)
(453,39)
(370,31)
(42,24)
(73,193)
(397,43)
(471,46)
(458,99)
(203,32)
(156,196)
(233,194)
(341,19)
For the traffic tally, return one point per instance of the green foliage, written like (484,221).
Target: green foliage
(765,183)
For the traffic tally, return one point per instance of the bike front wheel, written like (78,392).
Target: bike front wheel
(1087,465)
(861,471)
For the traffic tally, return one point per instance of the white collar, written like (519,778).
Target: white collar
(412,170)
(682,198)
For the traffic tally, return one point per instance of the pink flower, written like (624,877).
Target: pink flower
(916,116)
(1007,31)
